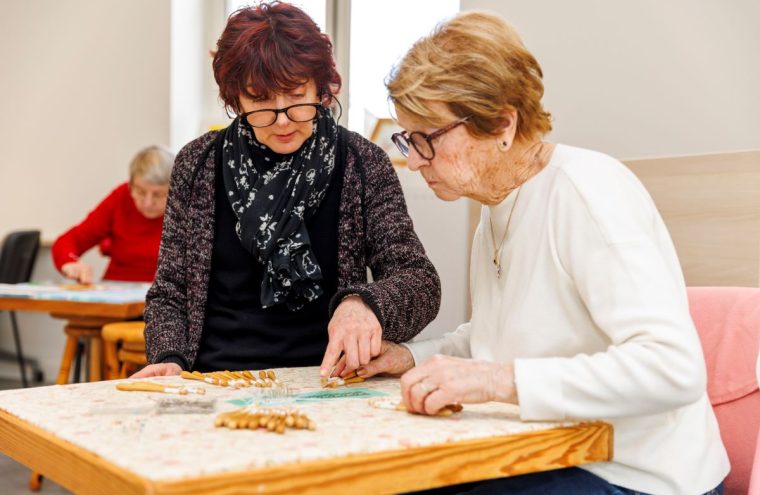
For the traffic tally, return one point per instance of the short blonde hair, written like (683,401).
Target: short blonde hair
(154,164)
(479,67)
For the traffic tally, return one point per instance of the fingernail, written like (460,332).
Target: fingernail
(322,372)
(361,372)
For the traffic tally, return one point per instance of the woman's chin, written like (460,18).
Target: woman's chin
(446,195)
(151,215)
(286,145)
(284,149)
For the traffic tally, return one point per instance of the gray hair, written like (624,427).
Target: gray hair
(154,164)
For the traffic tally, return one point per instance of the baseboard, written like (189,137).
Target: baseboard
(9,370)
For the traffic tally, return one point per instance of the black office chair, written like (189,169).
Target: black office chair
(17,258)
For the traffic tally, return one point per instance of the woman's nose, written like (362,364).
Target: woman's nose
(149,201)
(414,161)
(282,119)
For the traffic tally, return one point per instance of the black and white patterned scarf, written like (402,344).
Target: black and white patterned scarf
(272,196)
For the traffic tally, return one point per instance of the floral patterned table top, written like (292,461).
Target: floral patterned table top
(132,431)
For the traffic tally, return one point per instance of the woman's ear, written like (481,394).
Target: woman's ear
(509,126)
(327,100)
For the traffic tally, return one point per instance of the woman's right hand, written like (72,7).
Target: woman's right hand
(394,359)
(79,271)
(158,369)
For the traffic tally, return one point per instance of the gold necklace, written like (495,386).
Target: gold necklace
(497,249)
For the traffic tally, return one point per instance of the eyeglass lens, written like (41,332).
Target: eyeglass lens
(303,112)
(401,143)
(418,140)
(422,145)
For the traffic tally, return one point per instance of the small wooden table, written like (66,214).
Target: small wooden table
(78,436)
(83,319)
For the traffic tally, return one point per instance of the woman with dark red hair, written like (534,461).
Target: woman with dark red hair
(272,223)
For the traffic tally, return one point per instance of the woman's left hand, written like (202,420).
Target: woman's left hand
(444,380)
(355,331)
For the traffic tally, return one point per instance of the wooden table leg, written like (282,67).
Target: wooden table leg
(35,482)
(69,353)
(111,360)
(90,329)
(96,358)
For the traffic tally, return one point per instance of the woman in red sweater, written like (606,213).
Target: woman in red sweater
(127,224)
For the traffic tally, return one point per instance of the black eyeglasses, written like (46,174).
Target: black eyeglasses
(423,143)
(301,112)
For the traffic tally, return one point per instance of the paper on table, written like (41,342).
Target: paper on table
(317,395)
(121,292)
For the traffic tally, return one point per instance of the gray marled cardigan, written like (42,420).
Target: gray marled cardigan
(374,231)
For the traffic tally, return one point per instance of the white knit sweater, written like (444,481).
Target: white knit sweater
(591,308)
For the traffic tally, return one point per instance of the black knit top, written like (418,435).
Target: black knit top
(373,231)
(238,333)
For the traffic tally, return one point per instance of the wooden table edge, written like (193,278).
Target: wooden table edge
(414,468)
(69,465)
(62,308)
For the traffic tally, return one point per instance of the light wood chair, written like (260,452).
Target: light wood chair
(80,341)
(124,348)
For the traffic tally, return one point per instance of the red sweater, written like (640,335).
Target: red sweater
(134,239)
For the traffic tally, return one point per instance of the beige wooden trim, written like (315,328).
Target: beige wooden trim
(711,206)
(388,472)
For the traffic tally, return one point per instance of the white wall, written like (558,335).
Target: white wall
(84,85)
(645,77)
(195,27)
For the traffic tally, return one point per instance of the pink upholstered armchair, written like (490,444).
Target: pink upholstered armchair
(728,322)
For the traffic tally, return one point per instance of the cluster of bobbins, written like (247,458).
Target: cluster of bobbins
(337,381)
(236,379)
(273,419)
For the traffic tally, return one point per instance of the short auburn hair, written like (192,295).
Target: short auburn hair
(477,65)
(272,48)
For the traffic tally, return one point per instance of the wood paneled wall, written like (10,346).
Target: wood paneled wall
(711,205)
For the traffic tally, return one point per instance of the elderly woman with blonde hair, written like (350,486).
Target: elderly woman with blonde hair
(126,225)
(579,308)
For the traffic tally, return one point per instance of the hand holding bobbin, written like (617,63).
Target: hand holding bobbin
(444,380)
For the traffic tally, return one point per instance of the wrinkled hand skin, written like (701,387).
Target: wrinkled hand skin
(443,380)
(160,369)
(354,332)
(394,359)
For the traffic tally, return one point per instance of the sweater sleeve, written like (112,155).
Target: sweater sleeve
(456,343)
(166,317)
(93,229)
(613,248)
(406,292)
